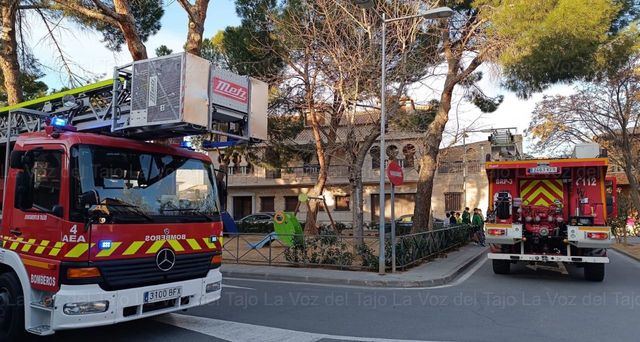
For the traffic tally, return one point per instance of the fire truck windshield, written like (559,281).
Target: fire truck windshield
(143,187)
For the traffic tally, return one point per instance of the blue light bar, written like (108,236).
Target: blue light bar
(219,144)
(186,144)
(104,244)
(58,122)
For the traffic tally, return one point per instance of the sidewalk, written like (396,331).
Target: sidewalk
(437,272)
(632,249)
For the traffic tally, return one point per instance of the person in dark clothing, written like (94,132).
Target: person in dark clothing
(478,224)
(452,218)
(466,216)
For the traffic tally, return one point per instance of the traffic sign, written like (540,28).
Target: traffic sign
(395,174)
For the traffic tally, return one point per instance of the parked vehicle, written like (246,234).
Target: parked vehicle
(256,223)
(549,211)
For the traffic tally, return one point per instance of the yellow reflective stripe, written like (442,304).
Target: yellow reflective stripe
(56,248)
(43,244)
(155,247)
(175,244)
(28,244)
(14,245)
(207,241)
(78,250)
(133,248)
(194,244)
(108,252)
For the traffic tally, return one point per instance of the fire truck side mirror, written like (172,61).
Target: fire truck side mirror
(90,198)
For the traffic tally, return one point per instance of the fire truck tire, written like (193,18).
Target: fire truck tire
(594,272)
(11,308)
(501,266)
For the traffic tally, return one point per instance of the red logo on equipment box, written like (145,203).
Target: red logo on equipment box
(230,90)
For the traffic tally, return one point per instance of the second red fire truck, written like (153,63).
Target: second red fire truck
(549,211)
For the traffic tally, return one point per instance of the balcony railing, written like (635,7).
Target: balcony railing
(310,171)
(458,167)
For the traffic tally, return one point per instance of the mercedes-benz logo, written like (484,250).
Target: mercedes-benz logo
(165,259)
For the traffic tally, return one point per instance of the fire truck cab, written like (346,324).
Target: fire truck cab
(549,211)
(106,217)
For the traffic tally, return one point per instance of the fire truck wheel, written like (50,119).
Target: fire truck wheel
(11,308)
(594,272)
(501,266)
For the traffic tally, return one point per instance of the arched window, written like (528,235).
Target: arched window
(392,152)
(409,152)
(375,157)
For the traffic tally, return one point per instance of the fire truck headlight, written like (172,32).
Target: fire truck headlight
(84,308)
(213,287)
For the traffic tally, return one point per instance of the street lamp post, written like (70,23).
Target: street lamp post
(440,12)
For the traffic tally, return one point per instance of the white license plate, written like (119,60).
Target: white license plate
(162,294)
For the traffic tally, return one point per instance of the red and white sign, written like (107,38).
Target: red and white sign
(395,173)
(230,90)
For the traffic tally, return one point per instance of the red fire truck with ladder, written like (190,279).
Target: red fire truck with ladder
(102,225)
(551,211)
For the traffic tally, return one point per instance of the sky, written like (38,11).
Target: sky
(87,52)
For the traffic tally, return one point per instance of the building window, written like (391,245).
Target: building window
(342,203)
(267,204)
(452,201)
(409,152)
(290,203)
(375,157)
(273,174)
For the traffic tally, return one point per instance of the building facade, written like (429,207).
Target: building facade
(253,189)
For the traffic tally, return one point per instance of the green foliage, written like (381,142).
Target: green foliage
(247,49)
(163,50)
(485,103)
(326,248)
(544,42)
(213,50)
(415,121)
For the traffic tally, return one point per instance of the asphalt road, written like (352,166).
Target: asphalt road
(528,305)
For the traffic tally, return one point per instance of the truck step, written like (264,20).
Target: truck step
(41,330)
(41,306)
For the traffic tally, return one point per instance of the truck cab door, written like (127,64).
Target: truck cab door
(37,214)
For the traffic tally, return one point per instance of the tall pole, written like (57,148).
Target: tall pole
(464,170)
(383,114)
(393,229)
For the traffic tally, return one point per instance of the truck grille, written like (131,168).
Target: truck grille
(124,274)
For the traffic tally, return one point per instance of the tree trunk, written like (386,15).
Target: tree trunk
(197,16)
(9,65)
(127,25)
(357,187)
(429,161)
(312,213)
(357,221)
(633,182)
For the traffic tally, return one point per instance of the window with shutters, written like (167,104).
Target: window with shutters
(452,201)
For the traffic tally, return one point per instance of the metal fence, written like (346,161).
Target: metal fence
(332,250)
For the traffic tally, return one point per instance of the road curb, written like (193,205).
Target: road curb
(269,274)
(621,251)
